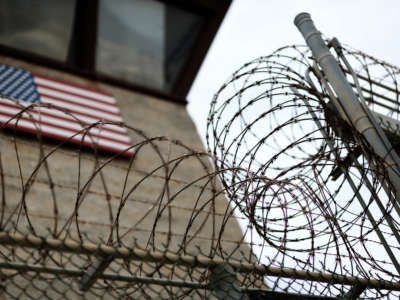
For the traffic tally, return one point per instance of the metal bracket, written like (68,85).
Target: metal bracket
(354,292)
(224,284)
(93,272)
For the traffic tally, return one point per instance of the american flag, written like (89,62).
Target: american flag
(75,108)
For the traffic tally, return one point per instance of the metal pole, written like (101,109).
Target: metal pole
(347,103)
(353,186)
(224,284)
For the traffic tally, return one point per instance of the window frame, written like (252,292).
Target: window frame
(84,34)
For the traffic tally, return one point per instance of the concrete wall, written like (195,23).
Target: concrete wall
(103,195)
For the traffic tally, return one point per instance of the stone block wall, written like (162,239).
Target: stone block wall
(195,215)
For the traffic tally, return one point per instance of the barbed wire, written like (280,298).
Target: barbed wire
(77,222)
(299,172)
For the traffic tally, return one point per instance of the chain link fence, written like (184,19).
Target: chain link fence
(164,224)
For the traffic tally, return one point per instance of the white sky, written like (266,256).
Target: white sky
(253,28)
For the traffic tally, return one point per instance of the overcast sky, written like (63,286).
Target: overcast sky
(253,28)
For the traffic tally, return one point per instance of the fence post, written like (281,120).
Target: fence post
(224,284)
(347,102)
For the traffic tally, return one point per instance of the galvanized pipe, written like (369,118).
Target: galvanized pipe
(347,103)
(145,255)
(354,187)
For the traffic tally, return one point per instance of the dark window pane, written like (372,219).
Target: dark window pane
(39,26)
(145,41)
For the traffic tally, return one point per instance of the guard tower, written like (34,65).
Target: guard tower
(83,217)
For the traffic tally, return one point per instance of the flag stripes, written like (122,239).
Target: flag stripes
(72,110)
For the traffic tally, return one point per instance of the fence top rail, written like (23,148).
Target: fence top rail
(195,261)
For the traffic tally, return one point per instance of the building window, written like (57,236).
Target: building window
(154,46)
(144,41)
(42,27)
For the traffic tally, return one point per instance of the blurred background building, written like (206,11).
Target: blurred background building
(146,54)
